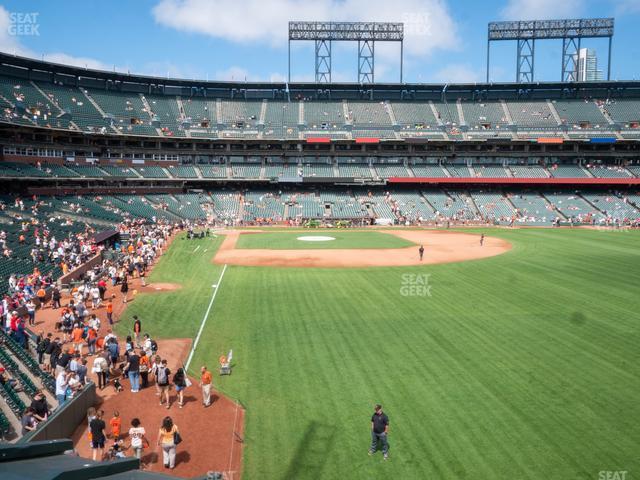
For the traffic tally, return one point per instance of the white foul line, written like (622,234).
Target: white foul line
(196,249)
(204,319)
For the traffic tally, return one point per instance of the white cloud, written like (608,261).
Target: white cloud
(11,44)
(83,62)
(234,73)
(542,9)
(428,23)
(458,73)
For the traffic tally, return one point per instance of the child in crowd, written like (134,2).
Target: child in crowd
(116,425)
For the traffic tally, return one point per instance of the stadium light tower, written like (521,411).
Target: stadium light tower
(365,33)
(569,31)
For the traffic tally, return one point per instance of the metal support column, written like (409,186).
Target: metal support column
(289,65)
(526,51)
(570,52)
(609,60)
(401,58)
(488,50)
(323,61)
(366,50)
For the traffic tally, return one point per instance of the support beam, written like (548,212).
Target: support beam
(365,33)
(570,51)
(289,63)
(366,51)
(488,52)
(570,31)
(401,58)
(323,61)
(526,51)
(609,60)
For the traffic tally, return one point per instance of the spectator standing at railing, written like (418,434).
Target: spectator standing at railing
(62,381)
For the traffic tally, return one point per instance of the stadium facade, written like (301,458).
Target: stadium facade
(531,154)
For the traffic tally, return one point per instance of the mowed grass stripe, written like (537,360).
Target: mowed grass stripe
(524,365)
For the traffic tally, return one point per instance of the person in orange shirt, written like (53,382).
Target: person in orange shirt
(65,268)
(76,337)
(144,368)
(42,295)
(205,384)
(116,425)
(92,338)
(110,312)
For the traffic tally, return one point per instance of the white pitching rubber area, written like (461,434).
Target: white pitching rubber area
(315,238)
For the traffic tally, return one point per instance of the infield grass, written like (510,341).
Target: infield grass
(520,366)
(343,239)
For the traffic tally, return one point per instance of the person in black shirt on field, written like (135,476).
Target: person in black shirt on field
(421,251)
(379,431)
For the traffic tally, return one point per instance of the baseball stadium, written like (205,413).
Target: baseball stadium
(320,279)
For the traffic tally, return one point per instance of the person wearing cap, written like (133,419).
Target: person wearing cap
(379,431)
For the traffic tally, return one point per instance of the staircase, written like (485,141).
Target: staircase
(435,113)
(263,112)
(97,107)
(605,114)
(345,111)
(301,113)
(590,203)
(472,170)
(49,99)
(553,207)
(471,201)
(554,112)
(507,113)
(218,111)
(146,106)
(460,113)
(391,113)
(511,205)
(183,115)
(587,171)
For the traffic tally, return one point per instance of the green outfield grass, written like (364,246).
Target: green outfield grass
(521,366)
(343,239)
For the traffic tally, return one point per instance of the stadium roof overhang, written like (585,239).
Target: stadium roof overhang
(33,69)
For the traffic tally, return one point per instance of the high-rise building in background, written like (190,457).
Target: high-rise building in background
(587,66)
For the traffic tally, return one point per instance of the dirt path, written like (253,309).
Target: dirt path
(212,436)
(440,247)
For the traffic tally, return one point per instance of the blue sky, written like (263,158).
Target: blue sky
(238,39)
